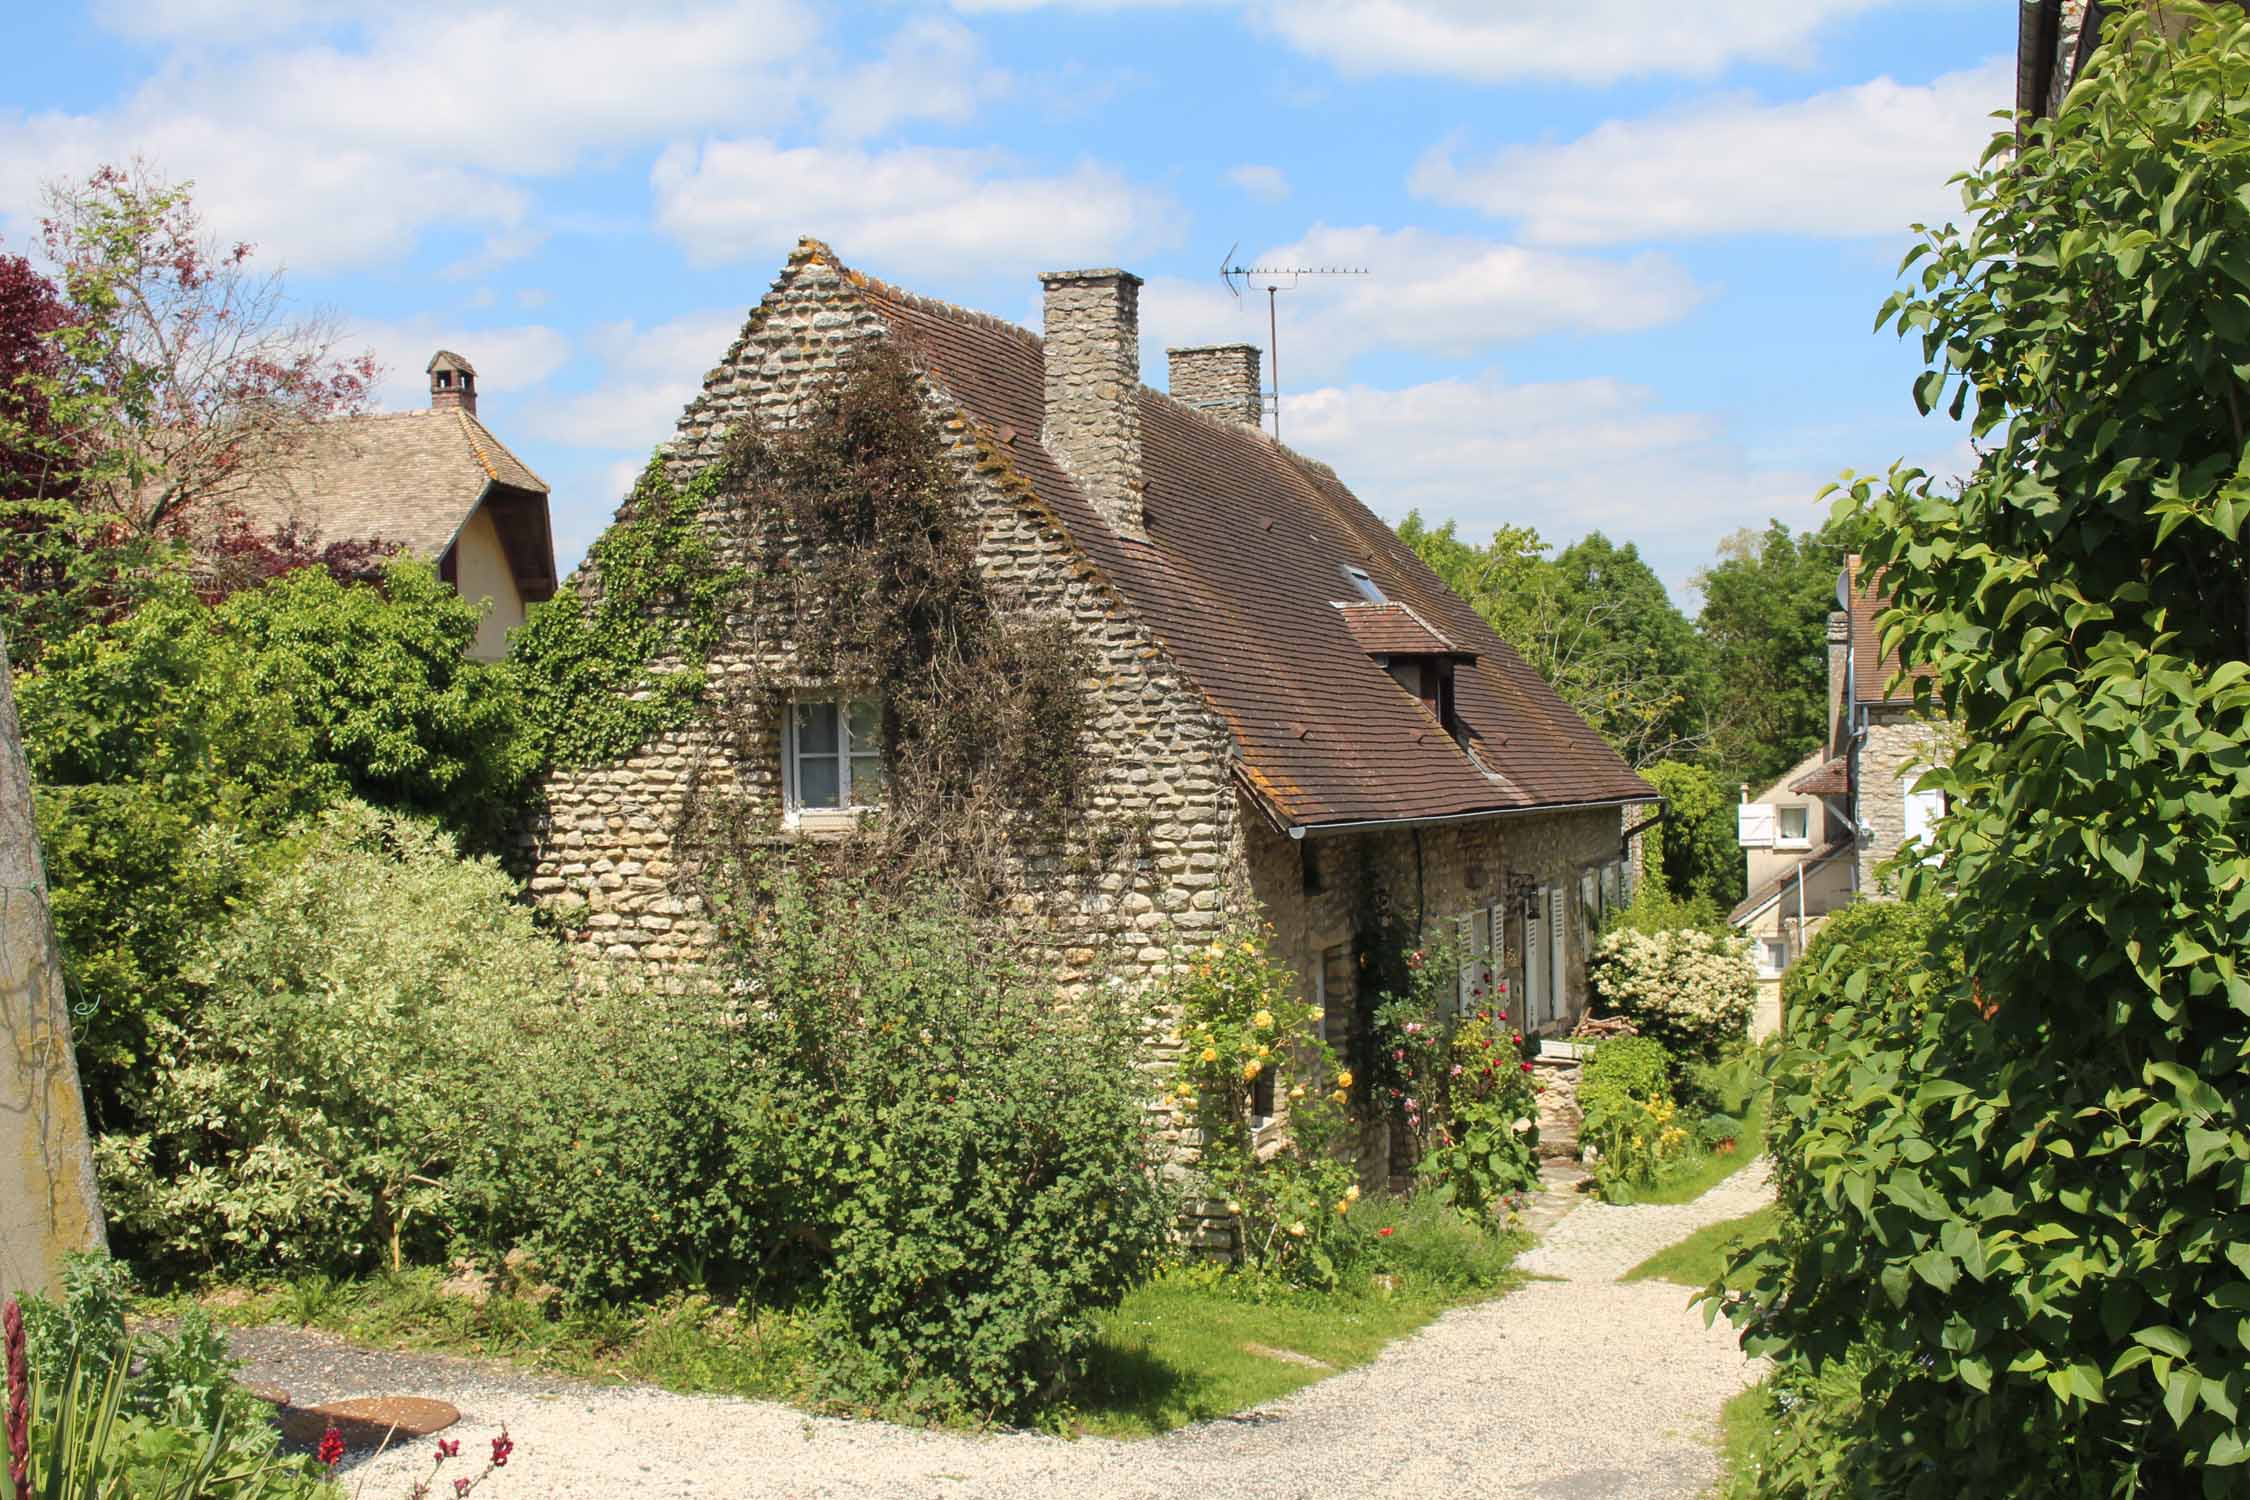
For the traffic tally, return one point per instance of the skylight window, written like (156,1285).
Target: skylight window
(1365,585)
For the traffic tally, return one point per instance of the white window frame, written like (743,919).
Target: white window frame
(849,809)
(1785,840)
(1772,957)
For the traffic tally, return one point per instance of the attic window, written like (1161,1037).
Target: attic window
(1359,580)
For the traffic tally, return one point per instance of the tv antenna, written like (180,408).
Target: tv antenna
(1236,277)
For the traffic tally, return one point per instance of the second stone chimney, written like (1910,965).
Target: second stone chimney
(1221,379)
(1093,421)
(453,382)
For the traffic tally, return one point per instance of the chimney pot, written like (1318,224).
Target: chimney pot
(1222,379)
(453,383)
(1093,417)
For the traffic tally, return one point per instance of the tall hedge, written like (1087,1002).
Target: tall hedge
(2023,1202)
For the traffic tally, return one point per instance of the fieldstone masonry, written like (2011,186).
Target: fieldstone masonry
(618,843)
(1221,379)
(1894,747)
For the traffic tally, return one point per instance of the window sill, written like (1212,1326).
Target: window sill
(1792,843)
(824,825)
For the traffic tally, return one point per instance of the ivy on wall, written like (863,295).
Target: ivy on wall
(604,676)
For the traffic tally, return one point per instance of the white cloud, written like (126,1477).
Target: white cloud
(1266,184)
(1500,41)
(1869,159)
(1437,294)
(507,359)
(1568,457)
(910,210)
(931,69)
(648,376)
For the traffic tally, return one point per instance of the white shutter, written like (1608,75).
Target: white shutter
(1558,898)
(1465,937)
(1535,961)
(1923,809)
(1753,825)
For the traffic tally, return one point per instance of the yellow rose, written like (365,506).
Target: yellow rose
(1317,1016)
(1344,1080)
(1297,1230)
(1210,1054)
(1298,1092)
(1233,1207)
(1248,946)
(1265,1052)
(1351,1194)
(1340,1096)
(1263,1020)
(1252,1068)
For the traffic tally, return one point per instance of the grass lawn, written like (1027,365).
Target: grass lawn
(1745,1424)
(1188,1345)
(1708,1170)
(1699,1259)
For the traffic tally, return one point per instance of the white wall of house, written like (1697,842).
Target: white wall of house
(481,573)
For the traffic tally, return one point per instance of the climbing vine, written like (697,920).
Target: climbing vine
(603,676)
(864,527)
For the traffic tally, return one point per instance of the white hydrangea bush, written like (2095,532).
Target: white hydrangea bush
(1690,989)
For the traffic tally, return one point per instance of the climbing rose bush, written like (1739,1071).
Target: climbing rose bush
(1691,990)
(1292,1198)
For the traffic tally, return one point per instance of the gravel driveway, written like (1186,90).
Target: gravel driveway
(1574,1388)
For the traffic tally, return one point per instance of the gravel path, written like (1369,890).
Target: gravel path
(1572,1388)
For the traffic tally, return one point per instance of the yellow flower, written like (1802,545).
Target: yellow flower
(1297,1230)
(1344,1206)
(1218,950)
(1210,1054)
(1317,1016)
(1344,1080)
(1340,1096)
(1263,1020)
(1252,1068)
(1233,1207)
(1298,1092)
(1248,946)
(1351,1194)
(1265,1052)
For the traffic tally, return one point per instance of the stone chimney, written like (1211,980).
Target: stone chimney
(1839,668)
(1221,379)
(453,383)
(1093,421)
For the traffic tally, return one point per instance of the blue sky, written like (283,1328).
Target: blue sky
(1624,254)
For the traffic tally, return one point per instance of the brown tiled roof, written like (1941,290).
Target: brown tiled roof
(1759,899)
(1872,666)
(1830,779)
(413,478)
(1244,564)
(1395,630)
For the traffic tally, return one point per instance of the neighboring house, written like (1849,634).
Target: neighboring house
(1312,729)
(2054,40)
(1817,837)
(436,483)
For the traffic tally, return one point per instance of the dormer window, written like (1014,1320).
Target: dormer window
(1358,579)
(1418,657)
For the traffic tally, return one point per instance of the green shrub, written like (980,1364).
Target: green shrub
(629,1149)
(338,1067)
(382,683)
(1629,1120)
(1693,991)
(1893,941)
(969,1147)
(1290,1188)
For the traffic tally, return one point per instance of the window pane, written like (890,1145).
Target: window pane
(867,781)
(866,724)
(1793,821)
(817,782)
(816,729)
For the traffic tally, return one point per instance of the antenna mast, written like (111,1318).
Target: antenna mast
(1273,285)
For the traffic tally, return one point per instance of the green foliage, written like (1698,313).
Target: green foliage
(2023,1196)
(383,683)
(155,1415)
(1461,1084)
(1594,620)
(1289,1186)
(1695,852)
(1689,989)
(1765,623)
(605,673)
(1903,946)
(311,1110)
(969,1148)
(1630,1122)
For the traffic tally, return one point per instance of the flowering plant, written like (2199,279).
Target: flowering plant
(1690,989)
(1248,1039)
(1461,1084)
(1631,1129)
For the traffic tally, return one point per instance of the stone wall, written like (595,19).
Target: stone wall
(1221,379)
(1894,747)
(611,837)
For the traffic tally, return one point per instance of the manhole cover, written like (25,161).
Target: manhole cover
(365,1421)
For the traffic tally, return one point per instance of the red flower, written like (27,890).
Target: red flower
(331,1449)
(461,1485)
(502,1446)
(1385,1231)
(18,1409)
(446,1450)
(1527,1067)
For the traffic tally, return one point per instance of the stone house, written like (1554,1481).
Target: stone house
(1310,729)
(435,482)
(1817,838)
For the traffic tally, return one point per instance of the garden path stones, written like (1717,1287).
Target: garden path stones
(1573,1387)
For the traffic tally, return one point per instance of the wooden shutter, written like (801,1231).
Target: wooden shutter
(1753,825)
